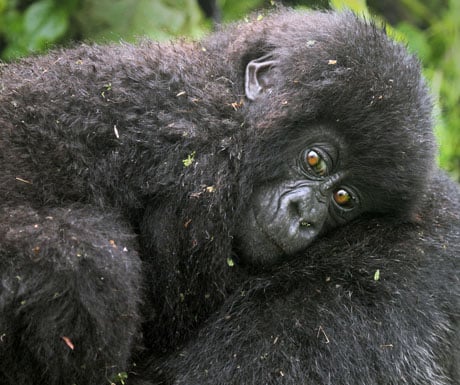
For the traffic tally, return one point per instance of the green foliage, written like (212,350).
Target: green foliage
(104,20)
(42,23)
(358,6)
(234,10)
(33,26)
(438,46)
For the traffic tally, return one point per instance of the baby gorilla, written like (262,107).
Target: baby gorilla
(258,207)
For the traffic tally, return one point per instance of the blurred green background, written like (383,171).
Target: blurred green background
(431,28)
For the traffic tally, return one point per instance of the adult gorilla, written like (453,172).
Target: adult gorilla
(295,236)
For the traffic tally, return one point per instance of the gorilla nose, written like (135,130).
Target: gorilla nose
(305,208)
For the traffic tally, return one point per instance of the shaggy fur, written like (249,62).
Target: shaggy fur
(129,164)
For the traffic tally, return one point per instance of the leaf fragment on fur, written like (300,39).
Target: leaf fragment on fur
(119,378)
(189,160)
(377,275)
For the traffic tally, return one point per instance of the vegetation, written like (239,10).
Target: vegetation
(431,28)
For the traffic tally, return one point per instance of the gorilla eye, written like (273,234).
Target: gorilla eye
(343,198)
(316,163)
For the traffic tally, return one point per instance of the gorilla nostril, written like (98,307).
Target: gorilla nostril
(294,209)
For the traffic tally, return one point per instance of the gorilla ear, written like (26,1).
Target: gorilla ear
(259,77)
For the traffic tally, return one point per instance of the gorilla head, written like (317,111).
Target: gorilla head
(346,124)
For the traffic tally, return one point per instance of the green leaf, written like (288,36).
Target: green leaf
(358,6)
(190,158)
(44,23)
(120,378)
(232,10)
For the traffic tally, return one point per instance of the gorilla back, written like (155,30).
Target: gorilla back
(193,200)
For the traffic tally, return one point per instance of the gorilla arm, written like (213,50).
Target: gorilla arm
(69,294)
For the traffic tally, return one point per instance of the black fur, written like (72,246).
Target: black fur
(124,161)
(329,319)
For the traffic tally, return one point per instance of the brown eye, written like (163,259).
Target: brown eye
(316,162)
(313,158)
(342,197)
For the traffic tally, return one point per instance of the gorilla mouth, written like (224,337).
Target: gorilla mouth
(288,247)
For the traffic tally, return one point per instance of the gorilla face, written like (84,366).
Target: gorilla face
(317,194)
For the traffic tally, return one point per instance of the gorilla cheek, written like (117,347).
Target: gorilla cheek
(282,221)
